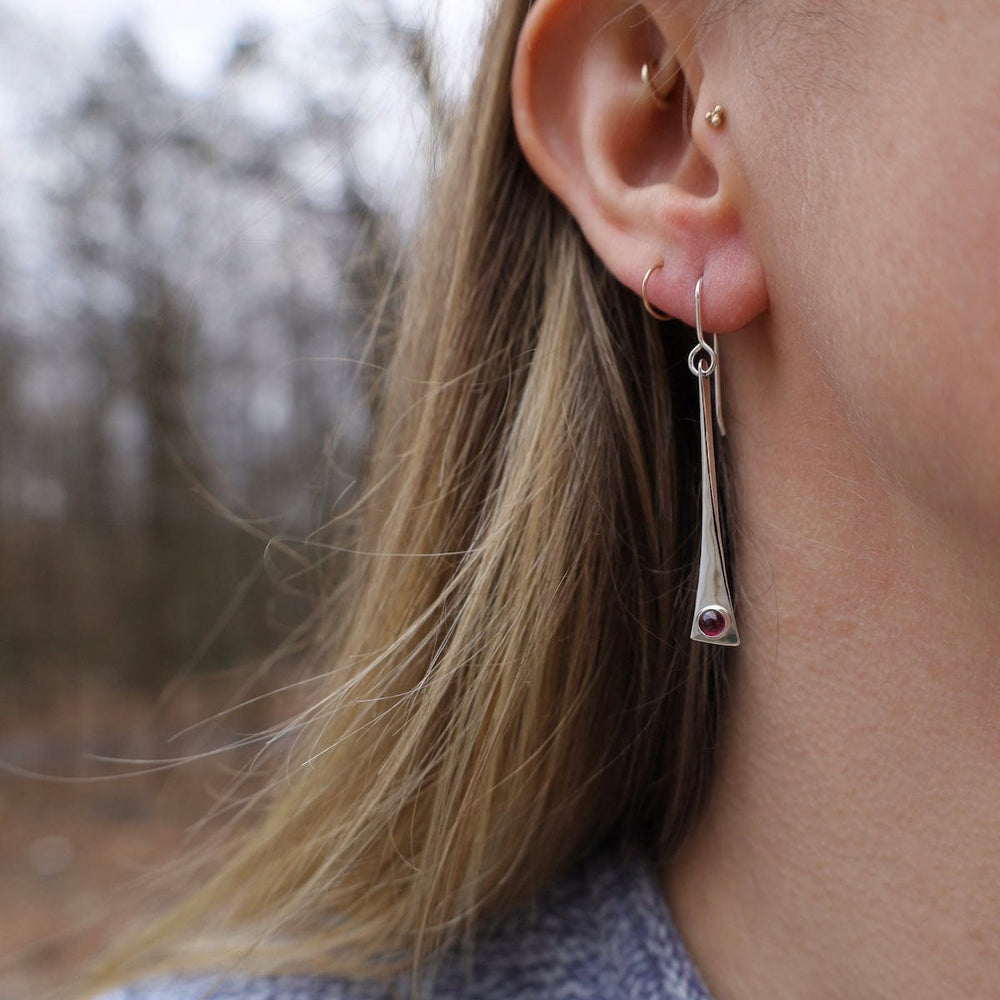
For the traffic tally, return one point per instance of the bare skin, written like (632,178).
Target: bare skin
(846,223)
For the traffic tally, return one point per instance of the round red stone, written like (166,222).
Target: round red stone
(712,623)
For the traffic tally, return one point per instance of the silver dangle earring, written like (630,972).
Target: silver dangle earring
(714,621)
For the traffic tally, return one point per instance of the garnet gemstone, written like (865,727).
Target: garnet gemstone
(712,623)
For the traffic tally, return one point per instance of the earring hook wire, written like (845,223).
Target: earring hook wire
(704,358)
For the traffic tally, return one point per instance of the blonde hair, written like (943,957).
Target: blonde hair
(512,685)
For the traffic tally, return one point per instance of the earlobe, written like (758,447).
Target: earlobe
(647,178)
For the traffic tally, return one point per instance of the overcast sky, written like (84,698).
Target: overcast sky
(188,39)
(49,46)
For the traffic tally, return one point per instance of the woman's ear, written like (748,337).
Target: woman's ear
(648,180)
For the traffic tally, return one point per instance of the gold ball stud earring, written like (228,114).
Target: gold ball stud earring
(716,117)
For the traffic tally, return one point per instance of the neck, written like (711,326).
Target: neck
(850,844)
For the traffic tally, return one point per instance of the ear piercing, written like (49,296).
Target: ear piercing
(650,308)
(714,621)
(660,96)
(716,117)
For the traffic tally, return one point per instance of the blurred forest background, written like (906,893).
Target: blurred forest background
(188,271)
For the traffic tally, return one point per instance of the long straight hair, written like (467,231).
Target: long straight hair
(512,686)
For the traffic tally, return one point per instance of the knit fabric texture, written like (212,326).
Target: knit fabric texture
(602,933)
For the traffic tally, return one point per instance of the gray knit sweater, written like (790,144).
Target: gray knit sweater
(602,933)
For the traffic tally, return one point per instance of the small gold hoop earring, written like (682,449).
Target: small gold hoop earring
(651,309)
(660,98)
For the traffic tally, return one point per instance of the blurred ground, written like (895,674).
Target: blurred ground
(77,859)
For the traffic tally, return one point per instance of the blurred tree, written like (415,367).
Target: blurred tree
(201,341)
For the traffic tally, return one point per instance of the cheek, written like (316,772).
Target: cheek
(887,243)
(914,314)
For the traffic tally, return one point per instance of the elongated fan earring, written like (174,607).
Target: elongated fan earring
(714,621)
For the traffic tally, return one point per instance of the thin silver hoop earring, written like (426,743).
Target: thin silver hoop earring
(651,309)
(714,620)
